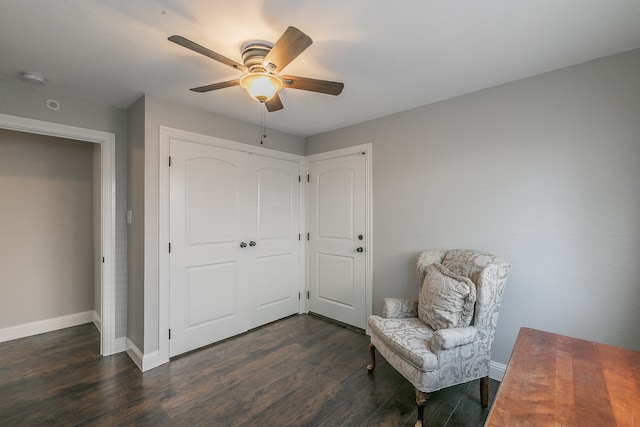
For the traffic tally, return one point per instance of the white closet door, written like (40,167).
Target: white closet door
(209,299)
(337,224)
(274,244)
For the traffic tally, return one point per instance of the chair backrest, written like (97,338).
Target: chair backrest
(488,272)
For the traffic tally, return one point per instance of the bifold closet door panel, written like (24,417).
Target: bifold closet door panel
(209,298)
(274,291)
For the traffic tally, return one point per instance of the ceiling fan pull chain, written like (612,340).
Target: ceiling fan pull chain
(263,129)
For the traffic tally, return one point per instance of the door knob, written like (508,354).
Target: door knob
(243,245)
(360,249)
(360,237)
(252,243)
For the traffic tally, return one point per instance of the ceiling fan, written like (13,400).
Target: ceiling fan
(263,61)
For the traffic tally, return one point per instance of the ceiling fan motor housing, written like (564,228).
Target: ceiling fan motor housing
(253,54)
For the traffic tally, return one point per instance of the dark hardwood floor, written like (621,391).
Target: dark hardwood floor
(300,371)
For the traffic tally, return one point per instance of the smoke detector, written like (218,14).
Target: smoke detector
(33,78)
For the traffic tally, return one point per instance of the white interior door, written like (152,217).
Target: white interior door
(275,245)
(338,241)
(208,214)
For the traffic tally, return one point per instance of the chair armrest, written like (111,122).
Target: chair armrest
(399,308)
(445,339)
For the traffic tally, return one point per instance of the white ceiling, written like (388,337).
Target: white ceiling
(391,55)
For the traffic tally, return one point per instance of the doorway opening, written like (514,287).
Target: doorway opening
(108,342)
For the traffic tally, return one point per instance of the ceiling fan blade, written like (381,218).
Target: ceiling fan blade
(207,52)
(215,86)
(291,44)
(313,85)
(274,104)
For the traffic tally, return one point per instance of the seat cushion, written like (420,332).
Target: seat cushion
(446,299)
(408,338)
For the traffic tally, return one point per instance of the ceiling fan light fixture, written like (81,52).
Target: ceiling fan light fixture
(261,86)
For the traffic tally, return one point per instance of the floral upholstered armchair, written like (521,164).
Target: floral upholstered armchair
(444,338)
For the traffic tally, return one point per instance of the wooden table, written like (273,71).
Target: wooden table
(554,380)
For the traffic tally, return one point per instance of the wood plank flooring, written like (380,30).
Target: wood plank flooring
(300,371)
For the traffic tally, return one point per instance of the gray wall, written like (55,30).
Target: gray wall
(135,120)
(153,112)
(543,171)
(97,228)
(46,255)
(24,100)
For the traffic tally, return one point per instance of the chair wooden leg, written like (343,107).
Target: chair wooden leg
(484,391)
(372,353)
(421,400)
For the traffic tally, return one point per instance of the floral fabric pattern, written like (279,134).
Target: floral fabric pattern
(407,338)
(398,308)
(446,299)
(445,339)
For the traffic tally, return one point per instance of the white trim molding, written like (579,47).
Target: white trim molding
(144,362)
(47,325)
(134,353)
(108,342)
(496,370)
(96,321)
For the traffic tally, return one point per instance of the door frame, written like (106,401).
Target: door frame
(165,136)
(367,151)
(108,342)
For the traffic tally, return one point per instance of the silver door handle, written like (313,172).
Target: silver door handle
(243,245)
(252,243)
(360,249)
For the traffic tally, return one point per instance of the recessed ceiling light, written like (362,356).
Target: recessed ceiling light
(52,104)
(33,78)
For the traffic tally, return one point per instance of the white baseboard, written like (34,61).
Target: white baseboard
(134,353)
(48,325)
(496,370)
(153,359)
(120,345)
(144,362)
